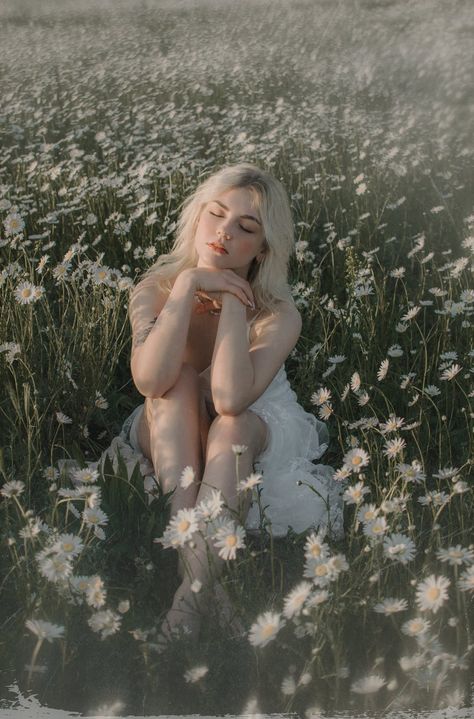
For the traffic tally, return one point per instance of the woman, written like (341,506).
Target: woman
(213,322)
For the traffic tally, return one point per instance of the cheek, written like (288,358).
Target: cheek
(247,246)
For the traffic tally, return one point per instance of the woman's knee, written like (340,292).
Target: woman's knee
(244,428)
(185,389)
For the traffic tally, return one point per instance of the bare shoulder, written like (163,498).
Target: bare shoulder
(285,320)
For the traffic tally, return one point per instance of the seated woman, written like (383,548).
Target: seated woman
(213,322)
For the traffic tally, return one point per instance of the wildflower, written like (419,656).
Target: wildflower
(395,351)
(85,476)
(411,472)
(355,493)
(180,529)
(392,424)
(456,555)
(288,686)
(398,273)
(336,359)
(63,418)
(416,661)
(25,293)
(451,372)
(399,547)
(317,598)
(239,449)
(315,547)
(13,224)
(383,369)
(341,474)
(355,382)
(345,392)
(294,601)
(391,606)
(432,593)
(368,685)
(319,571)
(367,513)
(56,568)
(106,622)
(431,390)
(44,630)
(187,477)
(325,411)
(356,459)
(100,401)
(95,592)
(466,580)
(250,482)
(336,565)
(229,539)
(195,674)
(412,312)
(68,545)
(415,627)
(265,629)
(51,474)
(361,189)
(438,499)
(376,528)
(13,488)
(394,447)
(320,397)
(210,508)
(447,473)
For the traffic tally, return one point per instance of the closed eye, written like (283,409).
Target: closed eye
(214,214)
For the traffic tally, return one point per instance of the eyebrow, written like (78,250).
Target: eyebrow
(246,217)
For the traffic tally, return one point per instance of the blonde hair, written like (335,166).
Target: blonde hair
(269,277)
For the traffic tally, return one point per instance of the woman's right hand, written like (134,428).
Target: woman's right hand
(206,279)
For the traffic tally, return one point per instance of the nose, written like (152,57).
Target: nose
(223,234)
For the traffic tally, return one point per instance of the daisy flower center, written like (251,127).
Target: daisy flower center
(356,460)
(433,593)
(184,525)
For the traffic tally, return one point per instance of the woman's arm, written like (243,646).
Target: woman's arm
(160,326)
(239,374)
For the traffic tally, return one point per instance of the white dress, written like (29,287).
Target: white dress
(296,438)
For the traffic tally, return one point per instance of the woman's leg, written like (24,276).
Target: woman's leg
(170,435)
(219,473)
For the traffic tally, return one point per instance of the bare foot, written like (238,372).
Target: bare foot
(183,619)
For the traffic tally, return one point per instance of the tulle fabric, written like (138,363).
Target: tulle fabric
(295,492)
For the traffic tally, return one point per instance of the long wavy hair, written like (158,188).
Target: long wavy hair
(269,277)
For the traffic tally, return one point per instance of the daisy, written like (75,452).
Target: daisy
(341,474)
(13,488)
(294,601)
(319,571)
(363,398)
(432,593)
(95,593)
(416,661)
(336,565)
(447,473)
(317,598)
(398,273)
(394,447)
(63,418)
(438,499)
(368,685)
(325,411)
(395,351)
(391,606)
(431,390)
(336,359)
(85,476)
(229,539)
(415,627)
(315,547)
(68,545)
(376,528)
(106,622)
(195,674)
(187,477)
(399,547)
(239,449)
(411,472)
(100,401)
(355,494)
(345,392)
(320,397)
(466,580)
(412,312)
(367,513)
(252,480)
(44,630)
(181,528)
(210,508)
(451,372)
(56,568)
(13,224)
(356,459)
(355,382)
(25,293)
(265,629)
(383,369)
(288,686)
(392,424)
(456,555)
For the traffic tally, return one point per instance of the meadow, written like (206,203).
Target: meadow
(111,114)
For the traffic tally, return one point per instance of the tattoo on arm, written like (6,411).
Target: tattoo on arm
(140,337)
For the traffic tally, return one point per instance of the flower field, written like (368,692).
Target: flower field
(112,112)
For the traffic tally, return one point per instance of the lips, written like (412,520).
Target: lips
(217,248)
